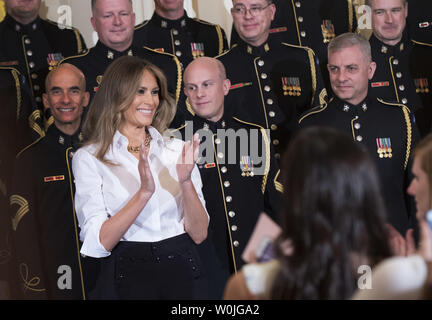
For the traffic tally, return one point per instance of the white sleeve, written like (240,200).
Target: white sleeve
(89,203)
(197,182)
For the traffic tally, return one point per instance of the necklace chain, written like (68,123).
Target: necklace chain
(136,149)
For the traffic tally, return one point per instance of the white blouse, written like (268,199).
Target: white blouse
(102,190)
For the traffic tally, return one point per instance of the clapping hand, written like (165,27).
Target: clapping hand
(147,181)
(187,159)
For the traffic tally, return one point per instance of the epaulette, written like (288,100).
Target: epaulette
(314,110)
(179,70)
(179,128)
(247,122)
(9,67)
(421,43)
(232,47)
(77,56)
(393,104)
(307,49)
(29,146)
(70,28)
(142,24)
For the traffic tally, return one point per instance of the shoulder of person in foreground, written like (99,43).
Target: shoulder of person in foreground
(394,279)
(254,281)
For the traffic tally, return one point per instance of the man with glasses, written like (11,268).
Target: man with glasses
(171,30)
(310,23)
(272,82)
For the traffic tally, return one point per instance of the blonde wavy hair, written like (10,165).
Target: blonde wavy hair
(116,93)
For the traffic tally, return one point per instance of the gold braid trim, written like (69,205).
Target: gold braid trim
(322,96)
(422,43)
(78,39)
(189,107)
(350,16)
(406,112)
(316,110)
(267,146)
(409,135)
(29,284)
(278,185)
(21,212)
(18,91)
(179,71)
(220,37)
(34,125)
(75,223)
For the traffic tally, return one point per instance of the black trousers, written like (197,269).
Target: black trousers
(168,269)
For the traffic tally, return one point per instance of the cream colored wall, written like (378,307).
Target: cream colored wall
(210,10)
(78,12)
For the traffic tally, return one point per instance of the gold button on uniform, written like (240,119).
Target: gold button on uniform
(224,169)
(236,243)
(359,138)
(231,214)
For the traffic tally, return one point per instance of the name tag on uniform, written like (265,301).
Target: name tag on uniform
(380,84)
(207,166)
(276,30)
(54,178)
(240,85)
(9,63)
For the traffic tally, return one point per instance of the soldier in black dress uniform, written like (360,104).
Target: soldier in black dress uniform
(420,20)
(45,230)
(237,167)
(272,82)
(20,125)
(310,23)
(171,30)
(385,129)
(115,27)
(33,45)
(404,67)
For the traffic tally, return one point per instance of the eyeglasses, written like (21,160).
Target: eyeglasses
(254,10)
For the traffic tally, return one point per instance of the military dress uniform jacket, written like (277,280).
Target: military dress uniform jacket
(33,48)
(419,20)
(45,229)
(403,75)
(272,85)
(238,182)
(17,112)
(185,38)
(386,130)
(310,23)
(95,61)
